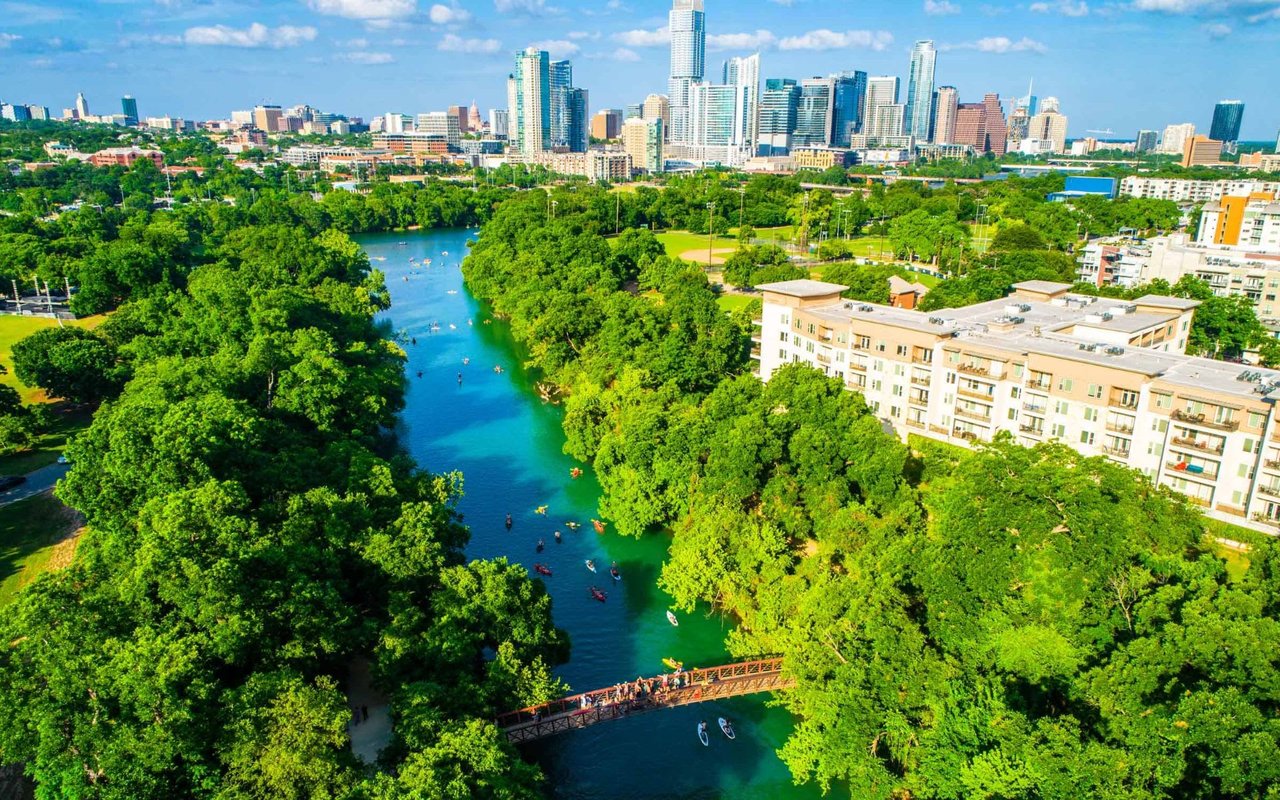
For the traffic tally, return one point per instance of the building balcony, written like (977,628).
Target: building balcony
(824,359)
(1196,471)
(856,365)
(1118,428)
(915,423)
(922,360)
(1031,430)
(968,436)
(1199,445)
(1033,408)
(973,369)
(759,323)
(1131,405)
(757,338)
(1117,452)
(920,381)
(974,415)
(1271,464)
(1265,520)
(919,400)
(938,429)
(980,395)
(1039,386)
(1199,419)
(755,353)
(865,348)
(1269,491)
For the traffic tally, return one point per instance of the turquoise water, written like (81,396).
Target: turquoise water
(507,444)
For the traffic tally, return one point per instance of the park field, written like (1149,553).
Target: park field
(678,243)
(36,535)
(14,329)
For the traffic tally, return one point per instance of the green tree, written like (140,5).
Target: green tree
(71,363)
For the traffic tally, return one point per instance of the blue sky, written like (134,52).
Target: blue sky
(1114,64)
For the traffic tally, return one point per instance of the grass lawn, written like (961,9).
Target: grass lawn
(679,242)
(783,233)
(733,303)
(35,536)
(980,236)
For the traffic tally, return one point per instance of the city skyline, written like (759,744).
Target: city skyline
(365,57)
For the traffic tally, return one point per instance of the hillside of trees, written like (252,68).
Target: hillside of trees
(252,536)
(1006,623)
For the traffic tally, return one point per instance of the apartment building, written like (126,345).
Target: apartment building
(1107,378)
(1186,191)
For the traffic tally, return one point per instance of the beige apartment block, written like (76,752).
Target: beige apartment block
(1108,378)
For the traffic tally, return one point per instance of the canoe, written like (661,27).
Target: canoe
(617,576)
(591,565)
(596,594)
(726,727)
(702,736)
(542,569)
(671,663)
(672,619)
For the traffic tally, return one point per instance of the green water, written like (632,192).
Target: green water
(493,428)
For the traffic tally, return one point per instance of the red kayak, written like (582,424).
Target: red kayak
(542,569)
(596,594)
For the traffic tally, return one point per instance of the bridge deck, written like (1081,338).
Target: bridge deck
(643,695)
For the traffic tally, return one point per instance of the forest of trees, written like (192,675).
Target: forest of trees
(1006,623)
(252,534)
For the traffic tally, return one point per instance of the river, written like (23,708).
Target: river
(507,443)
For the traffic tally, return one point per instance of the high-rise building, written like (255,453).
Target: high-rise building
(919,107)
(815,114)
(1029,101)
(443,124)
(883,116)
(944,121)
(744,71)
(982,126)
(1146,141)
(1201,151)
(579,127)
(778,108)
(462,117)
(718,118)
(1019,127)
(633,111)
(561,78)
(129,106)
(82,106)
(687,23)
(529,95)
(14,113)
(267,118)
(1050,126)
(607,124)
(642,140)
(1227,116)
(1176,136)
(499,122)
(656,106)
(849,93)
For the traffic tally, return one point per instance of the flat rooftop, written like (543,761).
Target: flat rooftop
(802,288)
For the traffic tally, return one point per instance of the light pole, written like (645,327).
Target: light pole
(844,224)
(711,229)
(554,203)
(742,207)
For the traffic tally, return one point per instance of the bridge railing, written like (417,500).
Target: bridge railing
(586,701)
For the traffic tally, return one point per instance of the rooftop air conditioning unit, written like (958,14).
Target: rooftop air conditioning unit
(1115,351)
(865,308)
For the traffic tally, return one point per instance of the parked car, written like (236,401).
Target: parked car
(8,482)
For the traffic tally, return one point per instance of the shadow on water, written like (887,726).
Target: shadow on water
(508,445)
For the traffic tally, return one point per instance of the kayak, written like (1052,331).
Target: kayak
(727,728)
(702,736)
(540,509)
(599,526)
(596,594)
(591,565)
(542,569)
(671,663)
(617,576)
(672,619)
(573,526)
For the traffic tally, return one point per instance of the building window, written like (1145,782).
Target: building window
(894,411)
(1066,385)
(782,354)
(1086,437)
(786,319)
(897,391)
(1059,431)
(880,348)
(784,336)
(1160,425)
(1095,391)
(1251,445)
(1062,407)
(1164,400)
(1090,414)
(1013,413)
(902,349)
(1237,498)
(1256,420)
(875,386)
(808,347)
(811,329)
(1015,392)
(877,365)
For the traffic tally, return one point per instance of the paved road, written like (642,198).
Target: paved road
(42,480)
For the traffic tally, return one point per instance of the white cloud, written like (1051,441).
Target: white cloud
(580,35)
(1209,6)
(456,44)
(1217,30)
(1265,16)
(367,58)
(938,8)
(557,48)
(823,39)
(441,14)
(759,40)
(365,9)
(256,35)
(354,44)
(643,38)
(1067,8)
(1000,45)
(521,6)
(623,54)
(7,39)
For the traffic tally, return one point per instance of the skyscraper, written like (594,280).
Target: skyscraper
(499,122)
(944,121)
(642,140)
(918,114)
(578,129)
(778,107)
(1146,141)
(815,114)
(744,71)
(982,126)
(687,23)
(1050,125)
(656,106)
(850,92)
(529,95)
(1227,116)
(129,107)
(561,82)
(883,116)
(82,106)
(1175,136)
(718,118)
(1030,102)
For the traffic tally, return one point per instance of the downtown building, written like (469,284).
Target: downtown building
(529,102)
(982,126)
(1109,379)
(687,22)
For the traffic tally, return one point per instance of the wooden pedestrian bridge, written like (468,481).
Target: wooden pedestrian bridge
(642,695)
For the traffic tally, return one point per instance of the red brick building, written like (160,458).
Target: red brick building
(982,126)
(125,157)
